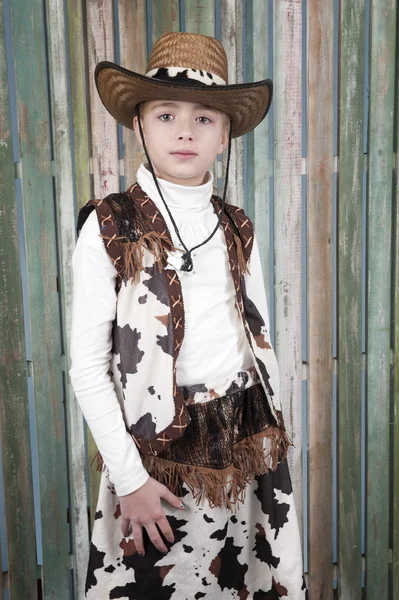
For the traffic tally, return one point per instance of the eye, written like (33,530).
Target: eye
(165,117)
(204,120)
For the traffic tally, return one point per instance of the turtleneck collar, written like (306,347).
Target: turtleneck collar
(193,199)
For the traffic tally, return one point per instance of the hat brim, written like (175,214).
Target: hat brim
(122,90)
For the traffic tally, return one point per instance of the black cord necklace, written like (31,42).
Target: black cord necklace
(187,261)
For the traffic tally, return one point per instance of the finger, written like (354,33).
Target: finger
(155,537)
(166,529)
(138,538)
(171,498)
(125,526)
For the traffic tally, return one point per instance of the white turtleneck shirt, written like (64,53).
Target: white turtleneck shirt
(215,347)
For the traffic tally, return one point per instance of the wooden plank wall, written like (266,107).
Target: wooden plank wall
(330,257)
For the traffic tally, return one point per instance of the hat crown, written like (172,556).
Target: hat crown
(190,51)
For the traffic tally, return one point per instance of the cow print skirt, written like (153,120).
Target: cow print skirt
(252,552)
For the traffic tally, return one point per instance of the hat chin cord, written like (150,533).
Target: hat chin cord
(187,261)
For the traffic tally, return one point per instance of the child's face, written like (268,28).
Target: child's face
(182,140)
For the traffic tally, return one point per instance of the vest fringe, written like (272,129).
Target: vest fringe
(240,255)
(155,243)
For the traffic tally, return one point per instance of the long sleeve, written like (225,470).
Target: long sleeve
(94,310)
(255,285)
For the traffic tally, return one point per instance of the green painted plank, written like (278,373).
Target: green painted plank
(14,413)
(200,16)
(320,293)
(349,294)
(133,53)
(165,17)
(37,191)
(56,19)
(395,292)
(259,166)
(80,131)
(382,89)
(288,223)
(79,92)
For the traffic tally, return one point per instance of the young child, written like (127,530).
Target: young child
(172,362)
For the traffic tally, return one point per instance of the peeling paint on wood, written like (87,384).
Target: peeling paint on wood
(288,129)
(231,13)
(65,220)
(134,57)
(105,160)
(395,291)
(349,296)
(200,16)
(14,413)
(79,85)
(320,294)
(259,208)
(165,17)
(44,318)
(382,90)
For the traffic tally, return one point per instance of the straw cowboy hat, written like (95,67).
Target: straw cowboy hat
(184,66)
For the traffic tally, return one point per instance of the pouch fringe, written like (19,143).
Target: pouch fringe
(224,487)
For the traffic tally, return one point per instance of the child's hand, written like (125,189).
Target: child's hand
(142,508)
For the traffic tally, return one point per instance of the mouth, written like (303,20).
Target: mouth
(184,154)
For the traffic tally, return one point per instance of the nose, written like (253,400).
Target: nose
(185,130)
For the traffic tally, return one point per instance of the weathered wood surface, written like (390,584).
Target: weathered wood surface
(259,166)
(395,292)
(231,15)
(41,257)
(351,79)
(79,84)
(320,293)
(133,51)
(65,232)
(200,16)
(104,150)
(14,412)
(382,89)
(287,218)
(165,17)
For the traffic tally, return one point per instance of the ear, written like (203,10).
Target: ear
(137,130)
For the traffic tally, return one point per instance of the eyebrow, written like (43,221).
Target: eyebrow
(165,103)
(170,103)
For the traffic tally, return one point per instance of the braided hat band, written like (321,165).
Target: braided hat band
(184,66)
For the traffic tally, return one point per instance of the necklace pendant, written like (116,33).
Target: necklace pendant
(187,262)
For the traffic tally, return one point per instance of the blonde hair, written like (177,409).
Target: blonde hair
(146,107)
